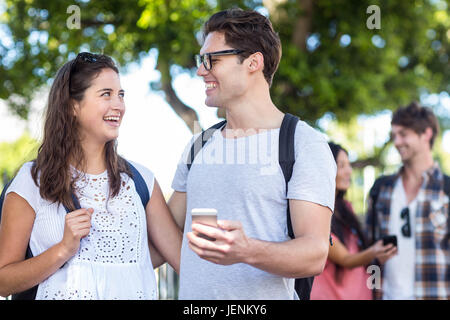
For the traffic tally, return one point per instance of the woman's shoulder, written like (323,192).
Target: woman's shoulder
(145,172)
(24,173)
(24,185)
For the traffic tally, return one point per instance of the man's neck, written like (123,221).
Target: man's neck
(413,170)
(412,174)
(253,112)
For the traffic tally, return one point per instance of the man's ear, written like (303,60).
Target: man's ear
(256,62)
(428,134)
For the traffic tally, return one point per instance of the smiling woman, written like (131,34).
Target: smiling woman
(99,243)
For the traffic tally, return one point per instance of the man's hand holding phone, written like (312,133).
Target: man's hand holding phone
(219,241)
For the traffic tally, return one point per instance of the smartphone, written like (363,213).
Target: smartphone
(206,216)
(390,239)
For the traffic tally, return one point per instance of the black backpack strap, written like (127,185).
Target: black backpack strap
(286,156)
(3,195)
(373,194)
(447,187)
(286,159)
(201,140)
(447,192)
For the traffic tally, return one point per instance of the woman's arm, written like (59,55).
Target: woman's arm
(157,259)
(339,254)
(163,231)
(17,274)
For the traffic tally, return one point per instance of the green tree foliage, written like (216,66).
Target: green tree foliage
(14,154)
(125,29)
(347,69)
(331,61)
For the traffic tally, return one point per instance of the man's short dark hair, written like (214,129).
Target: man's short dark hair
(418,118)
(250,31)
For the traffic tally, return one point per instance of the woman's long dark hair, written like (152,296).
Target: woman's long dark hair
(61,145)
(344,219)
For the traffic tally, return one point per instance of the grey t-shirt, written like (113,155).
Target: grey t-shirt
(242,179)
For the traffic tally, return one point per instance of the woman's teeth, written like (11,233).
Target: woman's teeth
(111,118)
(210,85)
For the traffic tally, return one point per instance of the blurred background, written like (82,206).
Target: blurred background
(346,65)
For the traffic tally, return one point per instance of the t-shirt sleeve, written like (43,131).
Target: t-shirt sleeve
(180,179)
(314,173)
(23,184)
(148,176)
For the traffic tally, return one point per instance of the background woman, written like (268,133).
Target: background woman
(345,276)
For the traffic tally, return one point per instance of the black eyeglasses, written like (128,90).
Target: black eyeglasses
(406,228)
(206,58)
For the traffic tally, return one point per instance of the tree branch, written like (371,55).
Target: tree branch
(185,112)
(374,160)
(303,24)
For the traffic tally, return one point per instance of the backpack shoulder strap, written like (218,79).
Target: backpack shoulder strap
(286,159)
(201,140)
(447,185)
(381,181)
(286,155)
(373,194)
(3,195)
(141,186)
(447,192)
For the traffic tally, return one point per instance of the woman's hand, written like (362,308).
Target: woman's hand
(383,252)
(77,226)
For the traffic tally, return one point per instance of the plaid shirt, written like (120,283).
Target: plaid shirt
(432,254)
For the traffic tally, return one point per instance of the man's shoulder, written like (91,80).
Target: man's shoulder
(305,133)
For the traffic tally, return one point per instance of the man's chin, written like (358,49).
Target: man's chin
(405,159)
(211,104)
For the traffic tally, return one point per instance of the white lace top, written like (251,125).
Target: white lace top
(113,261)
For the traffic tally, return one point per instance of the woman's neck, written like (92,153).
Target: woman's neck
(94,156)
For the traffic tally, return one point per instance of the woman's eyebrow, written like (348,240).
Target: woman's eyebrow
(109,89)
(105,89)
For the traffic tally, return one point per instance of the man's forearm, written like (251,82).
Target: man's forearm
(298,258)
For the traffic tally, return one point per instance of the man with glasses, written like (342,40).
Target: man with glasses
(252,256)
(413,205)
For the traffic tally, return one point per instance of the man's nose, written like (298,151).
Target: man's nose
(201,71)
(396,140)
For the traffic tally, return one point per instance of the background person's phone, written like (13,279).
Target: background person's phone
(390,239)
(206,216)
